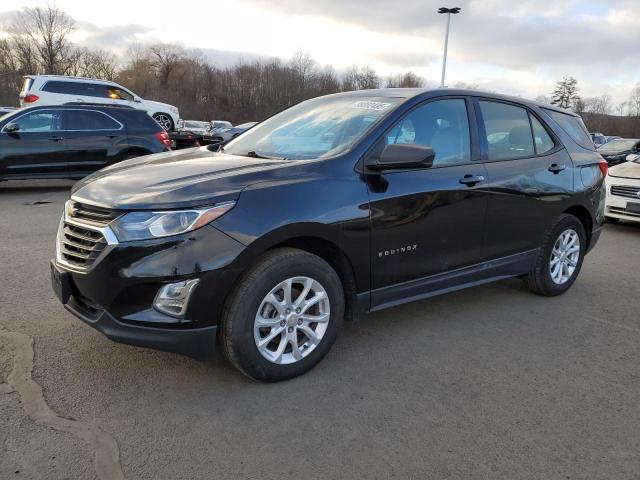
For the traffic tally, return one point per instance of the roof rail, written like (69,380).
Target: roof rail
(98,104)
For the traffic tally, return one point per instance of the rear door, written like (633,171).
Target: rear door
(91,137)
(37,148)
(531,176)
(428,221)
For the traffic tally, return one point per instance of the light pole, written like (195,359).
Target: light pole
(448,11)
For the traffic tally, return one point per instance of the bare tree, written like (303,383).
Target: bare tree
(634,101)
(360,79)
(405,80)
(46,31)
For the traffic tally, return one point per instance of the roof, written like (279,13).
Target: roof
(414,92)
(68,77)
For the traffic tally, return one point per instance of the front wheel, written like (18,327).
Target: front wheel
(283,316)
(559,259)
(164,120)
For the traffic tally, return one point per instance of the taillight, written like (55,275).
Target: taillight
(30,98)
(164,139)
(604,167)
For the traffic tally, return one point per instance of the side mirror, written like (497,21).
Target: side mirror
(11,127)
(401,155)
(137,100)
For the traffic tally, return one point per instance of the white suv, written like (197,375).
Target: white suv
(58,90)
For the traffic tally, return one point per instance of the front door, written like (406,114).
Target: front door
(37,148)
(429,221)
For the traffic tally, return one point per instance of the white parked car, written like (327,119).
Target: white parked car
(623,191)
(58,90)
(193,126)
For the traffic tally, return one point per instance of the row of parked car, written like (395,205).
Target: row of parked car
(68,127)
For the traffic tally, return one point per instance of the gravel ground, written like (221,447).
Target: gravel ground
(492,382)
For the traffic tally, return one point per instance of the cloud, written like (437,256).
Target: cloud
(117,37)
(505,33)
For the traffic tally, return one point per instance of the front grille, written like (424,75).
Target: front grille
(626,191)
(91,214)
(79,246)
(624,211)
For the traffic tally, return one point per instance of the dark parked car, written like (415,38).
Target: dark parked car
(342,204)
(616,151)
(5,110)
(71,141)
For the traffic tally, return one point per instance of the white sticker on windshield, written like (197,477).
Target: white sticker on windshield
(371,105)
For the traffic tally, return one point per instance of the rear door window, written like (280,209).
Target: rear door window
(508,131)
(573,126)
(543,141)
(85,89)
(88,120)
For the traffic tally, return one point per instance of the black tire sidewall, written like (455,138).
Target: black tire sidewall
(247,299)
(564,224)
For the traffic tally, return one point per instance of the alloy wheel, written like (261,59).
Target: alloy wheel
(291,320)
(565,256)
(163,120)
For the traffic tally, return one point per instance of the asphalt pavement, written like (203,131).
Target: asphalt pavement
(492,382)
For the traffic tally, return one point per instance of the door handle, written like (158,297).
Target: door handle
(112,136)
(56,139)
(471,180)
(555,168)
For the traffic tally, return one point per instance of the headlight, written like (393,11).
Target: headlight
(146,225)
(173,109)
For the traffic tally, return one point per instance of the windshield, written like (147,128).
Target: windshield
(318,128)
(618,146)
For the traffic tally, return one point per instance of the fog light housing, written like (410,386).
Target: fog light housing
(172,298)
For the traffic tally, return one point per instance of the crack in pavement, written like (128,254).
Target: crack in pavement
(20,380)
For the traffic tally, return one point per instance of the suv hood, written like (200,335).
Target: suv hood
(179,179)
(626,170)
(160,107)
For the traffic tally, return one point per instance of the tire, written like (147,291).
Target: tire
(612,220)
(250,305)
(541,278)
(164,120)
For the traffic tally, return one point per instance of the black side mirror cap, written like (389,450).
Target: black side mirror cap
(401,155)
(11,127)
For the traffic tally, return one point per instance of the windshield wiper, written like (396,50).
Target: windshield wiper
(254,154)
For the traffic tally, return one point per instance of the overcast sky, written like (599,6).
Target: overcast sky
(513,46)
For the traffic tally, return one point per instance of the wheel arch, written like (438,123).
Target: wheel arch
(318,239)
(582,214)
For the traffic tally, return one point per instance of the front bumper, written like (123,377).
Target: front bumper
(197,343)
(618,206)
(115,295)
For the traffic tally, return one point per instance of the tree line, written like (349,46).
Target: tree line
(599,113)
(38,41)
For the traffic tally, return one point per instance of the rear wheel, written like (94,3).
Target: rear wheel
(164,120)
(560,258)
(283,316)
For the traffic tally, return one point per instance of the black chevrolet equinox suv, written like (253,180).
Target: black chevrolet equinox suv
(342,204)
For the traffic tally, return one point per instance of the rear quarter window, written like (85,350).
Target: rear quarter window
(573,126)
